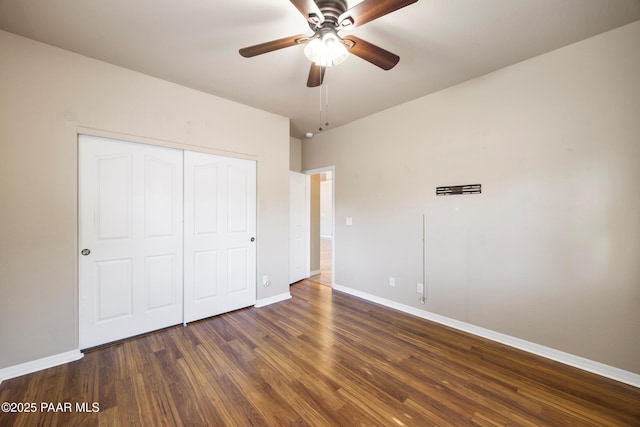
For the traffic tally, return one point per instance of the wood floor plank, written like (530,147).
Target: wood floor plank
(322,358)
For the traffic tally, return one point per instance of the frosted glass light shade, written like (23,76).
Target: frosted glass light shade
(326,51)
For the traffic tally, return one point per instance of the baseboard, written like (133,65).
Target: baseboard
(70,356)
(37,365)
(588,365)
(272,300)
(314,272)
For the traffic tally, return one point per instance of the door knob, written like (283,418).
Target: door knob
(85,252)
(253,239)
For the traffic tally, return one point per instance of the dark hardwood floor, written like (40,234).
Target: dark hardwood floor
(323,358)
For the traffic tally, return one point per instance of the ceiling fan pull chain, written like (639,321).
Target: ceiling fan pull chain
(320,121)
(326,97)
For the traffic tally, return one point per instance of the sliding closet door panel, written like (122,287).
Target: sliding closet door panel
(130,214)
(160,283)
(237,217)
(237,264)
(205,198)
(114,290)
(205,275)
(219,240)
(114,187)
(160,197)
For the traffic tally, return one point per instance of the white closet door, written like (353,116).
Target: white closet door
(130,231)
(220,231)
(298,232)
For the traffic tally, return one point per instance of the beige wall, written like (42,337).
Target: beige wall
(47,95)
(295,154)
(549,252)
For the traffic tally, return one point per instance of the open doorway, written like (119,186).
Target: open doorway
(321,228)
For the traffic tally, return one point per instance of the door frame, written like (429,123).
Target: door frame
(316,171)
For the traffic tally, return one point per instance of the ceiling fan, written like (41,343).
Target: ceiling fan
(325,47)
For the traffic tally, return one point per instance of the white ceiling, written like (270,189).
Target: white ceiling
(195,43)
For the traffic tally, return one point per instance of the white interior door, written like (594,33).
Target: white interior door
(130,231)
(220,231)
(298,230)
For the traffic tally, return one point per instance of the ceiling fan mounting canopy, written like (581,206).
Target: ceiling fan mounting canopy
(326,18)
(331,12)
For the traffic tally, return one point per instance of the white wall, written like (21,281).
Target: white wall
(550,251)
(47,96)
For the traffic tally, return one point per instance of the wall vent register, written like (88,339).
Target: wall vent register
(459,189)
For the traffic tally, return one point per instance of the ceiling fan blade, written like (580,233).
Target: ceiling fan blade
(310,10)
(316,75)
(261,48)
(369,10)
(370,52)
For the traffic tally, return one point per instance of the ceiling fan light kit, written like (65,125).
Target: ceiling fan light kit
(325,47)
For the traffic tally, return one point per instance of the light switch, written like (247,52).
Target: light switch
(349,220)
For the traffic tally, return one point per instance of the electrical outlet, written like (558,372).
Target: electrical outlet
(265,281)
(420,288)
(392,281)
